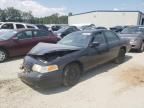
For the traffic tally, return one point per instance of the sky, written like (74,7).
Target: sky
(41,8)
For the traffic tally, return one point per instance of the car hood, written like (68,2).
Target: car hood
(45,48)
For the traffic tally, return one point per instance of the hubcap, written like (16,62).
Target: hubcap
(2,55)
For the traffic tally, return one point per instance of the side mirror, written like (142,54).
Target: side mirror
(94,44)
(15,38)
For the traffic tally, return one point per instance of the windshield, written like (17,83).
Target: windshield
(131,30)
(5,35)
(76,39)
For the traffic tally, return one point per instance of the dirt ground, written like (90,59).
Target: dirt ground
(107,86)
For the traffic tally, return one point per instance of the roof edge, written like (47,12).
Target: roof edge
(109,11)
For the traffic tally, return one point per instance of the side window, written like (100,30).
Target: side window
(70,30)
(25,35)
(19,26)
(7,26)
(99,37)
(30,26)
(111,37)
(40,33)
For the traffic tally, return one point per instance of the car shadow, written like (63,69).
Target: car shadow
(87,75)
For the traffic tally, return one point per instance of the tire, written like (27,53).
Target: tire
(141,48)
(121,57)
(72,73)
(3,55)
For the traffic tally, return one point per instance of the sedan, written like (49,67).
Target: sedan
(135,34)
(65,62)
(19,42)
(66,30)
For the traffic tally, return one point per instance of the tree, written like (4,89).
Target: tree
(2,15)
(13,14)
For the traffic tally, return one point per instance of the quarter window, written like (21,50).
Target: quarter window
(111,37)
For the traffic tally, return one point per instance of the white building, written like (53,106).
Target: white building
(107,18)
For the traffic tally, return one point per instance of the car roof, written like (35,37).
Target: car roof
(92,31)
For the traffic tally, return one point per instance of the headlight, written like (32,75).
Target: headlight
(59,34)
(133,40)
(44,69)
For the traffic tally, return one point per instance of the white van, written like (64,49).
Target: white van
(15,25)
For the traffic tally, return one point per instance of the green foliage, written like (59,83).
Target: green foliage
(15,15)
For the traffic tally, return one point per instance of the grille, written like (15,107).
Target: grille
(28,67)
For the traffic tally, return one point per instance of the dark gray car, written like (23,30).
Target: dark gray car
(76,53)
(136,36)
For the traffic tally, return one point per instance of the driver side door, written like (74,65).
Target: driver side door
(97,55)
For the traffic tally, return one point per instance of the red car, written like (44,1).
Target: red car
(19,42)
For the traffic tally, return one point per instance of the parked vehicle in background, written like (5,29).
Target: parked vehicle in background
(19,42)
(88,27)
(136,36)
(104,28)
(117,29)
(55,28)
(15,25)
(94,28)
(42,27)
(65,62)
(66,30)
(1,23)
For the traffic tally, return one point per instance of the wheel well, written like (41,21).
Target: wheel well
(79,63)
(5,50)
(123,47)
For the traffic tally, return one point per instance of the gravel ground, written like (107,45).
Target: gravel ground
(108,86)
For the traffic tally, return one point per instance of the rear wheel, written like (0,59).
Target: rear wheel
(71,74)
(3,55)
(121,57)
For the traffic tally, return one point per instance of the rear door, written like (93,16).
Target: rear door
(113,43)
(44,36)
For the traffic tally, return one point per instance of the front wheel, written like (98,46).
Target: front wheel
(121,57)
(71,74)
(3,55)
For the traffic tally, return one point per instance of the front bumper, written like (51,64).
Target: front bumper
(135,45)
(41,80)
